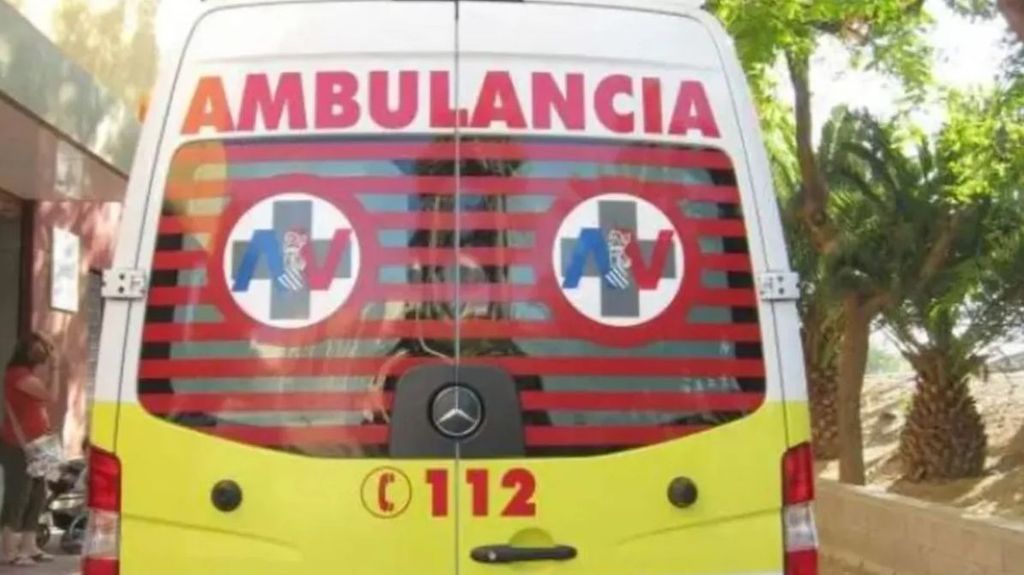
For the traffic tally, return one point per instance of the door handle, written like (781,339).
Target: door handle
(509,554)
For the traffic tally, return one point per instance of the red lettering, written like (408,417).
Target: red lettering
(653,122)
(336,106)
(438,481)
(408,100)
(648,275)
(693,112)
(524,484)
(320,276)
(209,108)
(477,479)
(604,103)
(257,100)
(441,113)
(548,98)
(498,102)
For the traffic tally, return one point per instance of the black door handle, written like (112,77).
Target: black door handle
(509,554)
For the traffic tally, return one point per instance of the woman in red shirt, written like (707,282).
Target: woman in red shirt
(29,391)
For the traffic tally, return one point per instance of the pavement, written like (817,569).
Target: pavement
(64,565)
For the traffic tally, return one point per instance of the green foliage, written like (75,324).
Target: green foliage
(984,142)
(973,8)
(937,227)
(880,205)
(881,34)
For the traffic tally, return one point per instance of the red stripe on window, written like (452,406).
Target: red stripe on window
(639,401)
(188,224)
(166,260)
(468,329)
(537,436)
(447,256)
(485,293)
(446,151)
(531,401)
(724,297)
(725,262)
(276,401)
(447,293)
(179,295)
(447,185)
(718,228)
(308,436)
(451,220)
(525,222)
(197,189)
(550,366)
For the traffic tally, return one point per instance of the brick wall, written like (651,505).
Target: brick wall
(890,534)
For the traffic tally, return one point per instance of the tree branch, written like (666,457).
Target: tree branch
(938,254)
(814,187)
(1013,11)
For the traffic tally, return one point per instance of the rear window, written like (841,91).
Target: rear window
(612,280)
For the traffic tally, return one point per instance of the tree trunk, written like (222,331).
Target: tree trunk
(822,392)
(820,335)
(944,437)
(853,359)
(1013,11)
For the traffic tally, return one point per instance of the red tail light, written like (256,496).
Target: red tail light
(798,475)
(800,533)
(100,555)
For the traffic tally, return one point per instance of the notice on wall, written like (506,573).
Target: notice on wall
(64,271)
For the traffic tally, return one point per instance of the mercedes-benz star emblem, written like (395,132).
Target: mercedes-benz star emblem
(457,411)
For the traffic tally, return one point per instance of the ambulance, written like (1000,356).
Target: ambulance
(451,288)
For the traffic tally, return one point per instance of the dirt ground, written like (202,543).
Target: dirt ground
(829,567)
(1000,492)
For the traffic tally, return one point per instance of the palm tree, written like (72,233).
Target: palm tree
(947,267)
(890,235)
(820,325)
(943,330)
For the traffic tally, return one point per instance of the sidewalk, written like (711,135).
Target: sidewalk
(64,565)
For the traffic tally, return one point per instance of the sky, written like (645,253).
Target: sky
(967,54)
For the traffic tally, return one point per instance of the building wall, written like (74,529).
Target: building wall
(41,84)
(124,63)
(10,267)
(96,226)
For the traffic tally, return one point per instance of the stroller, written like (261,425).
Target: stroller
(65,508)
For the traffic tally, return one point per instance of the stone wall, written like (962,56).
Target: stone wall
(889,534)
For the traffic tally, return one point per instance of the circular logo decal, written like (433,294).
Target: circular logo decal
(618,260)
(386,492)
(457,411)
(291,260)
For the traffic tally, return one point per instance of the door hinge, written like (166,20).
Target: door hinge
(124,283)
(779,286)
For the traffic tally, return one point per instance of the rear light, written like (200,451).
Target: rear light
(100,554)
(799,531)
(798,475)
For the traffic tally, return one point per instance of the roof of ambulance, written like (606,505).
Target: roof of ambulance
(670,6)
